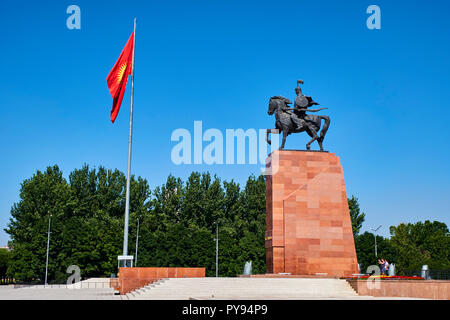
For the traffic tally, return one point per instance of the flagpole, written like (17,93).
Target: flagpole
(127,200)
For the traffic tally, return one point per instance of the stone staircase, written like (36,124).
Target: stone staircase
(245,288)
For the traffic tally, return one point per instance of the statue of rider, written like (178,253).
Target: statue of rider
(301,104)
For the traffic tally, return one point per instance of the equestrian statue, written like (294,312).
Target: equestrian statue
(296,120)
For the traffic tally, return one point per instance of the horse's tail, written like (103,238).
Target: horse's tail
(325,127)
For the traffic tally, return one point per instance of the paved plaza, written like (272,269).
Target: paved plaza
(196,289)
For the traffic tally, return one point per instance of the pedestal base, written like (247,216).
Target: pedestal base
(308,227)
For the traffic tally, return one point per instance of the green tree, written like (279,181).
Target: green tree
(180,227)
(177,223)
(365,250)
(357,217)
(251,225)
(4,261)
(166,205)
(86,222)
(421,243)
(46,193)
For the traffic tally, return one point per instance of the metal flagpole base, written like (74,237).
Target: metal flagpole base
(125,262)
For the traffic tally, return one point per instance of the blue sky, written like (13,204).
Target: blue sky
(219,62)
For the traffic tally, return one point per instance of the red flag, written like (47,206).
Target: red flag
(117,78)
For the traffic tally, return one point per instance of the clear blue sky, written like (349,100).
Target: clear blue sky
(219,61)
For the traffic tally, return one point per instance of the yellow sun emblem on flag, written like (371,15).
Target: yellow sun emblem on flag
(121,72)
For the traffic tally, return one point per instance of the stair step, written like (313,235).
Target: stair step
(245,288)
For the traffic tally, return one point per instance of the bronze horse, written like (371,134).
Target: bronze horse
(284,123)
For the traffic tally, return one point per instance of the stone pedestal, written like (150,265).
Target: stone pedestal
(308,227)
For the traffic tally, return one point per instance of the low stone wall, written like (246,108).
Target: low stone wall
(426,289)
(134,278)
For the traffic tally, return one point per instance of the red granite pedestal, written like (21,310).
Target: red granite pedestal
(308,227)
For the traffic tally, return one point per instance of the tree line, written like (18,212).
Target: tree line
(177,226)
(410,246)
(177,223)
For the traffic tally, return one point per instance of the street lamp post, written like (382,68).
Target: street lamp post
(375,235)
(137,243)
(217,249)
(48,246)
